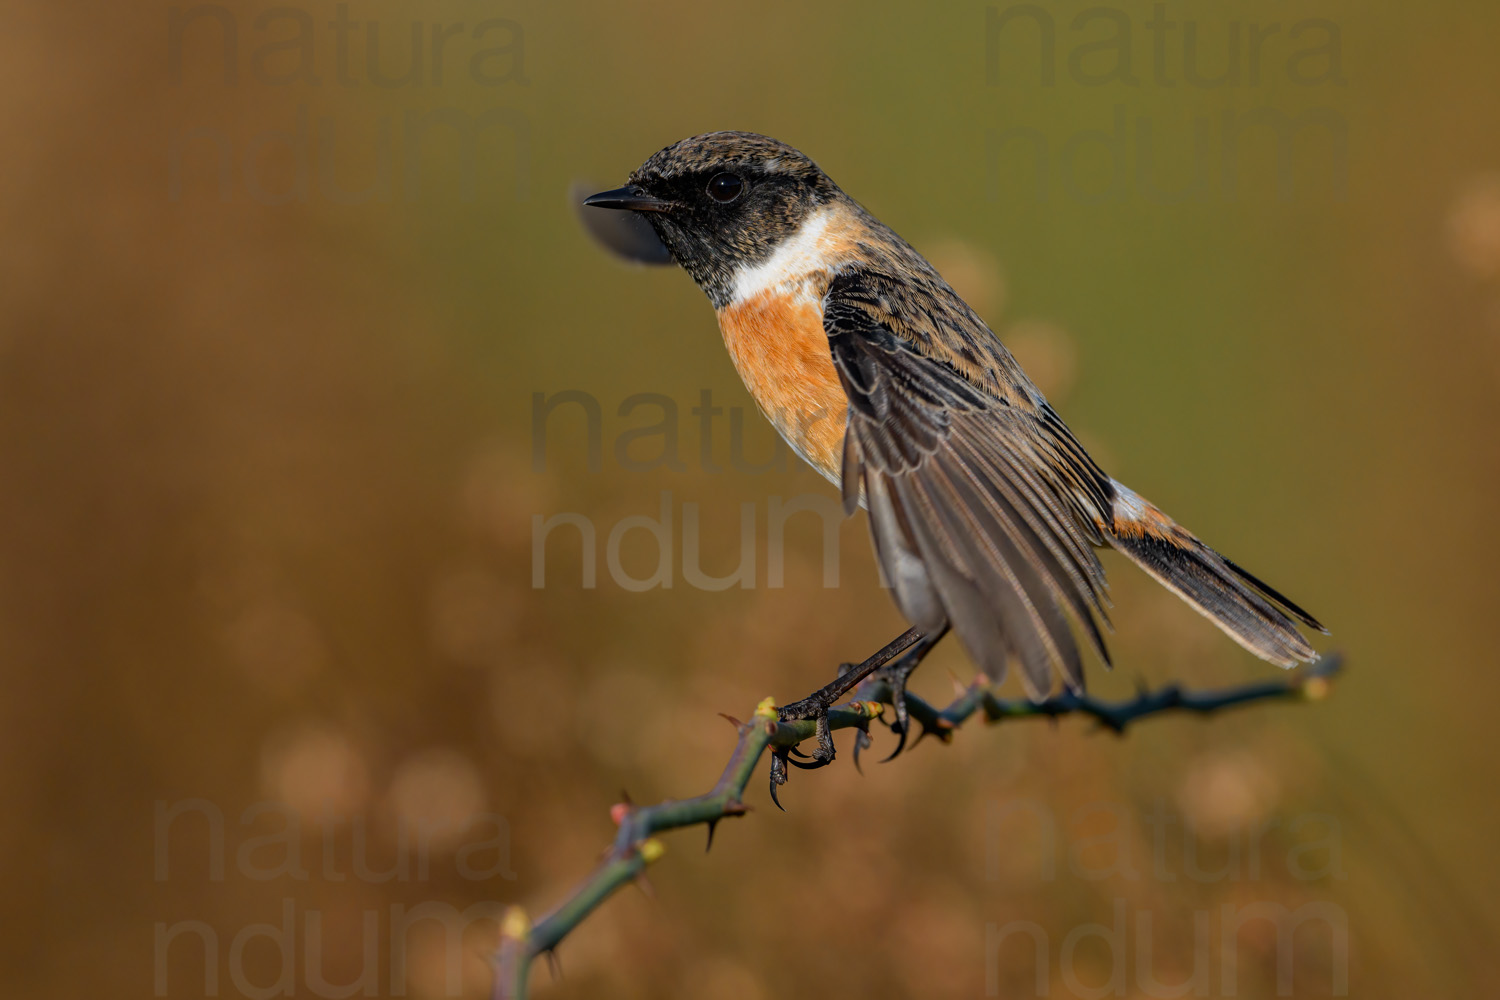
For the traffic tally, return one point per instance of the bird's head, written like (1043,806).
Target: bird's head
(723,201)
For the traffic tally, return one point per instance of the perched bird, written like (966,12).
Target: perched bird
(984,509)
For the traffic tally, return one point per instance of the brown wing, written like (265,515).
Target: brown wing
(982,508)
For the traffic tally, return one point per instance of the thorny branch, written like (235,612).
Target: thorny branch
(636,846)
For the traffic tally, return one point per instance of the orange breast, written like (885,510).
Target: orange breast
(778,344)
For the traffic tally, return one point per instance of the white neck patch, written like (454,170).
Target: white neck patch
(798,256)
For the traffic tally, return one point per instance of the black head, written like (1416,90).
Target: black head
(722,201)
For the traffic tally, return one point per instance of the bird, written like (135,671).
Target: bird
(985,512)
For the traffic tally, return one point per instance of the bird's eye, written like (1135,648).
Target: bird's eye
(724,188)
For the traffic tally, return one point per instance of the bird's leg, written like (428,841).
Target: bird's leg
(816,705)
(896,675)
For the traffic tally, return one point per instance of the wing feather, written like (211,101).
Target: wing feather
(980,505)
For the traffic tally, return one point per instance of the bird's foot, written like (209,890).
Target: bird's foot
(895,676)
(816,709)
(816,705)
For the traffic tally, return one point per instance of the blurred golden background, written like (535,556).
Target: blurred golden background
(272,651)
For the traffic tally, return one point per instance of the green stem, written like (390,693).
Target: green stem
(635,846)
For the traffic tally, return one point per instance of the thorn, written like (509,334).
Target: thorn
(1110,723)
(712,825)
(554,963)
(644,884)
(736,723)
(625,797)
(959,687)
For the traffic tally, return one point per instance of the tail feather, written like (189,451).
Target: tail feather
(1249,611)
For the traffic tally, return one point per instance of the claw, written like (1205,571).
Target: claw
(900,731)
(898,702)
(902,725)
(812,764)
(778,775)
(861,742)
(811,708)
(912,643)
(895,677)
(824,755)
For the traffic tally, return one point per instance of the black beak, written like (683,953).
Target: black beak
(628,197)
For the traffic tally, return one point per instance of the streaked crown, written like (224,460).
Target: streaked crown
(731,199)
